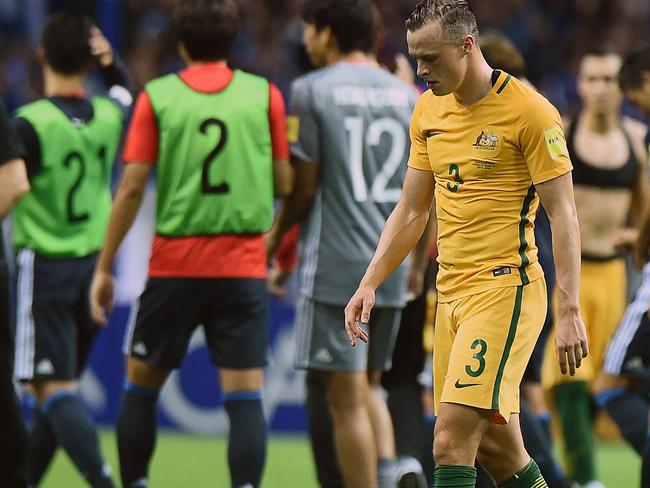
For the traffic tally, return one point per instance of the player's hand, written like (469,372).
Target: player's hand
(277,282)
(415,284)
(102,293)
(100,48)
(357,314)
(626,238)
(571,342)
(640,255)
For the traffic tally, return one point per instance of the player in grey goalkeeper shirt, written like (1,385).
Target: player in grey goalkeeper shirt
(349,132)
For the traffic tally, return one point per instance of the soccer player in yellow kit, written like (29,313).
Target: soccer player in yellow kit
(495,148)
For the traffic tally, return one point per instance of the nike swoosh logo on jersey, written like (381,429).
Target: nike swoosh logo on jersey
(458,384)
(432,133)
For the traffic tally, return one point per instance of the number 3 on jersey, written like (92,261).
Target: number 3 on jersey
(379,191)
(454,171)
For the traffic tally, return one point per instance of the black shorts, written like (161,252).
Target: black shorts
(533,371)
(54,329)
(232,311)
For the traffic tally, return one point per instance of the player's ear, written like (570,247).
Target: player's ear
(182,52)
(468,44)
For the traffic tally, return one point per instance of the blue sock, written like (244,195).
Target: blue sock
(75,432)
(136,434)
(247,437)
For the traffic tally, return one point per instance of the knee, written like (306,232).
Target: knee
(448,450)
(43,390)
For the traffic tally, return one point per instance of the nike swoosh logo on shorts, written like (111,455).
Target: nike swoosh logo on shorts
(458,384)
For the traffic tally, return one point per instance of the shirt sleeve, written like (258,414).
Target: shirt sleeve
(32,152)
(142,139)
(278,123)
(10,145)
(543,143)
(419,155)
(302,123)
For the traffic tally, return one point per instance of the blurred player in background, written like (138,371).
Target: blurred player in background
(13,438)
(609,161)
(500,52)
(70,141)
(487,138)
(350,122)
(217,140)
(628,354)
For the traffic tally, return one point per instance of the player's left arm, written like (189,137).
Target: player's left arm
(543,146)
(571,337)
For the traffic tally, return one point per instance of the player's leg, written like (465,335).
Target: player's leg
(383,333)
(534,415)
(155,343)
(483,344)
(13,438)
(320,427)
(46,358)
(322,349)
(242,396)
(236,330)
(404,392)
(353,434)
(539,447)
(503,455)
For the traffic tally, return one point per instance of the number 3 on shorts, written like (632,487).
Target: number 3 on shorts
(481,345)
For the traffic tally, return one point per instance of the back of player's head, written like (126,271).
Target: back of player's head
(500,52)
(351,22)
(207,28)
(455,16)
(635,65)
(65,43)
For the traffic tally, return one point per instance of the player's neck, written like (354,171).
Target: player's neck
(477,83)
(58,85)
(334,57)
(600,122)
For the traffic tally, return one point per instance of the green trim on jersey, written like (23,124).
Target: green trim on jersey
(523,243)
(215,163)
(66,211)
(512,332)
(503,85)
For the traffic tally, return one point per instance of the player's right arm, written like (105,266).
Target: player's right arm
(402,231)
(13,176)
(141,153)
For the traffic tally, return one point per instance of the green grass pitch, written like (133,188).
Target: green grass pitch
(182,461)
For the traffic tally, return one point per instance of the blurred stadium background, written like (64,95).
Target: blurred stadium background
(552,34)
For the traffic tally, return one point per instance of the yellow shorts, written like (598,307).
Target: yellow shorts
(603,298)
(482,346)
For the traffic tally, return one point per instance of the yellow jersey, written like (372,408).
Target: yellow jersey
(486,159)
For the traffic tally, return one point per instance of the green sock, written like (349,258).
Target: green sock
(455,476)
(529,477)
(573,405)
